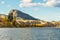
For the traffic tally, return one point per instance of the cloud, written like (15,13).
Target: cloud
(26,1)
(29,4)
(2,2)
(48,3)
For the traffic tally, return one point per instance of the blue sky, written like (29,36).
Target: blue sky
(42,9)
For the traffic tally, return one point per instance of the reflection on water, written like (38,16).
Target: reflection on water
(30,34)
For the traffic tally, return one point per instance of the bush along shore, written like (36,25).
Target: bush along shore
(28,23)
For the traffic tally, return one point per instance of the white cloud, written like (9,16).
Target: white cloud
(26,1)
(29,4)
(50,3)
(2,2)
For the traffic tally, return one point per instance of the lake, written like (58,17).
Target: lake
(30,33)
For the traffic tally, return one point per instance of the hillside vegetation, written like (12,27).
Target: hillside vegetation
(17,19)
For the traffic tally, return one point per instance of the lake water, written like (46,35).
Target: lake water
(29,34)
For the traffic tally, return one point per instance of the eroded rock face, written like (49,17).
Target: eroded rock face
(23,15)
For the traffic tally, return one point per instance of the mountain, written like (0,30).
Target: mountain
(25,16)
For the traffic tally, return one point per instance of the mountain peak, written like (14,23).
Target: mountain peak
(24,15)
